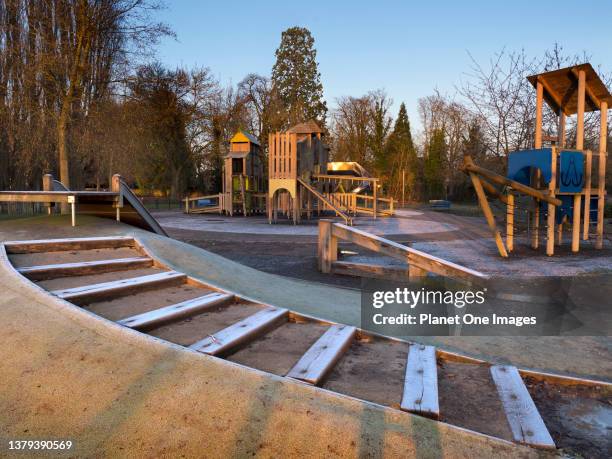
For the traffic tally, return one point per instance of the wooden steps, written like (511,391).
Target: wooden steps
(323,354)
(241,332)
(88,293)
(333,359)
(45,272)
(421,382)
(176,311)
(523,417)
(54,245)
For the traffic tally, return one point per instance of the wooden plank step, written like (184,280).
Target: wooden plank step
(241,332)
(421,382)
(523,417)
(53,245)
(176,311)
(83,268)
(323,354)
(89,293)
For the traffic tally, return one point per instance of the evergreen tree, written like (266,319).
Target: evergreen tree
(434,164)
(296,77)
(401,161)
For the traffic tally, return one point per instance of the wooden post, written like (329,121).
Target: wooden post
(601,184)
(552,186)
(580,114)
(510,222)
(587,195)
(375,195)
(579,146)
(48,186)
(576,223)
(403,187)
(328,246)
(561,130)
(72,202)
(243,195)
(538,120)
(535,234)
(116,188)
(484,205)
(560,232)
(187,204)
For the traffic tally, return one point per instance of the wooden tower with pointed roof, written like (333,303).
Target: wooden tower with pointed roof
(244,179)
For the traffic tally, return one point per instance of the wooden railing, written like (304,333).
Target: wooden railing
(363,203)
(384,206)
(419,263)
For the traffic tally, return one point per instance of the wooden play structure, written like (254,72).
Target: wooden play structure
(119,203)
(303,181)
(300,182)
(243,181)
(558,178)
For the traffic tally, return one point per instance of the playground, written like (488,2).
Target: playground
(251,300)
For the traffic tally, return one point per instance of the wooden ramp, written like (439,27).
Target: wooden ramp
(405,376)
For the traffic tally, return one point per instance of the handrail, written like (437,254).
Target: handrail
(322,198)
(419,263)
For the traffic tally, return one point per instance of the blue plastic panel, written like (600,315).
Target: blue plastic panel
(571,172)
(521,163)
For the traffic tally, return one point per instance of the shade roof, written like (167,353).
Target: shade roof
(561,89)
(309,127)
(242,136)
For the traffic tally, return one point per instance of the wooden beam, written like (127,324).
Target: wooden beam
(486,210)
(469,166)
(510,222)
(601,183)
(493,191)
(561,130)
(55,245)
(421,382)
(576,223)
(587,195)
(580,115)
(538,119)
(412,256)
(327,246)
(523,417)
(321,357)
(241,332)
(177,311)
(96,292)
(550,218)
(35,196)
(83,268)
(368,270)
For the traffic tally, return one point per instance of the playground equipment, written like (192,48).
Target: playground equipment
(299,171)
(558,178)
(120,203)
(244,176)
(301,181)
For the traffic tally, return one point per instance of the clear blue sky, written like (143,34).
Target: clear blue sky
(407,48)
